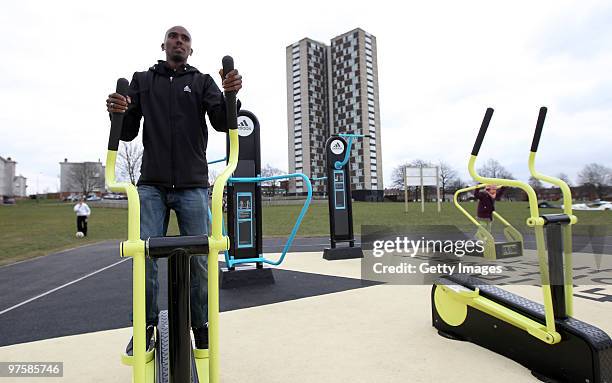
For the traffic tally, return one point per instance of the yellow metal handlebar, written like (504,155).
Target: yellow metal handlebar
(134,247)
(217,242)
(460,208)
(534,219)
(565,189)
(567,209)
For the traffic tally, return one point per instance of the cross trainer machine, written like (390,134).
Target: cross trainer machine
(544,338)
(337,153)
(173,360)
(245,260)
(512,247)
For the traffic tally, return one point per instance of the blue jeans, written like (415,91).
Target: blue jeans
(191,208)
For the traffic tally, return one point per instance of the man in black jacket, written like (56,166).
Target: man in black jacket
(173,97)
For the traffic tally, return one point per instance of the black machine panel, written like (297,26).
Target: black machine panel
(339,188)
(244,199)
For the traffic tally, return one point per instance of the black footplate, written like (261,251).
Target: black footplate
(583,355)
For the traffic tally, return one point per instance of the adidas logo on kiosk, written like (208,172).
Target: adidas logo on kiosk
(337,147)
(245,126)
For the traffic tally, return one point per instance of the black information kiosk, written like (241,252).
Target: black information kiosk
(244,210)
(337,151)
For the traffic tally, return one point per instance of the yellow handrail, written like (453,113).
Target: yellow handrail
(567,209)
(217,242)
(134,247)
(460,208)
(537,223)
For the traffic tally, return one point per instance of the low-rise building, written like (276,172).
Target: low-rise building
(7,178)
(81,177)
(20,185)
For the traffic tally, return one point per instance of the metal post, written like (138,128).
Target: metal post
(422,192)
(406,189)
(554,244)
(438,188)
(179,317)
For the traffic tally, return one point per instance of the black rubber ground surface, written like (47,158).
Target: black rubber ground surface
(103,301)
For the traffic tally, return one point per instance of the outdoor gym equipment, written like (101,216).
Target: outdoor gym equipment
(244,261)
(544,338)
(512,247)
(173,359)
(338,151)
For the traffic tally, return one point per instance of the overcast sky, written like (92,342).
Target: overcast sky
(441,64)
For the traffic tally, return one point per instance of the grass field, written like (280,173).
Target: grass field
(31,229)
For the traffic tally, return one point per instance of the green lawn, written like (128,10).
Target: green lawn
(31,229)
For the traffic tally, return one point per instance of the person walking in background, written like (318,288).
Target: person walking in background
(486,204)
(82,211)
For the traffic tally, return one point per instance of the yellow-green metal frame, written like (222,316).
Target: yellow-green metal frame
(510,231)
(135,247)
(534,220)
(567,230)
(472,298)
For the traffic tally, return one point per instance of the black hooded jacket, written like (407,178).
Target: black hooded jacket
(173,104)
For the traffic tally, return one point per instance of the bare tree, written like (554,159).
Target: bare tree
(447,176)
(493,169)
(86,176)
(535,183)
(212,176)
(270,171)
(398,175)
(595,177)
(457,183)
(565,178)
(130,159)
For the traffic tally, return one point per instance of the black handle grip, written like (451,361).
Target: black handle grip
(117,118)
(538,131)
(159,247)
(230,97)
(483,131)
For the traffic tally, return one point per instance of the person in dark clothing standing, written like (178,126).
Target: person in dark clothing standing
(486,204)
(174,97)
